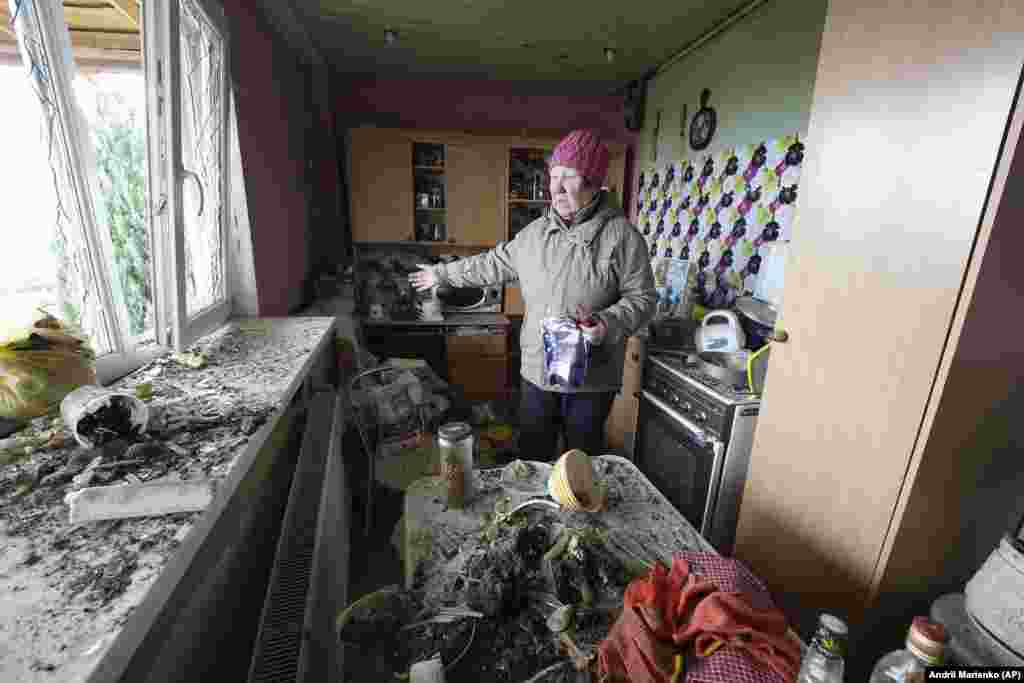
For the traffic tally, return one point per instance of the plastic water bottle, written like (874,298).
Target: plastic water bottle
(824,661)
(926,647)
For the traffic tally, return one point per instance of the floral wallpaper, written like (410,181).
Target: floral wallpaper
(717,211)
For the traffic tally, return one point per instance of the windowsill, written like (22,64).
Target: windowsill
(113,366)
(73,593)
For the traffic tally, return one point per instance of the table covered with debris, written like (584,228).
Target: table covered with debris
(68,588)
(514,572)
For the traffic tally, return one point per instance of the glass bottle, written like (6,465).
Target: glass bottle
(925,648)
(823,661)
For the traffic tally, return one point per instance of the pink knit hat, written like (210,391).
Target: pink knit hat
(583,151)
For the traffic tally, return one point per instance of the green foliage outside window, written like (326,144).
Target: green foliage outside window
(120,145)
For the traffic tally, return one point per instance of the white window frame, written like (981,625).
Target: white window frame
(167,173)
(165,177)
(43,22)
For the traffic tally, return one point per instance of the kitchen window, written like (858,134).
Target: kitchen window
(165,281)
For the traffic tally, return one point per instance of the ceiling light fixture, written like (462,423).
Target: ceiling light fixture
(390,36)
(609,54)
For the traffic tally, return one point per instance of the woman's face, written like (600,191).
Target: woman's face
(569,193)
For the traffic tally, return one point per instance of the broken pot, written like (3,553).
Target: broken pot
(96,415)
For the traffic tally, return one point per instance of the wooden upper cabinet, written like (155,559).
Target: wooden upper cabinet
(475,172)
(380,184)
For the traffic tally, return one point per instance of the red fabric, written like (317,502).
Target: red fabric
(632,653)
(695,610)
(583,151)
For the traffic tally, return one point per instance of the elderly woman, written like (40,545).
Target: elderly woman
(583,256)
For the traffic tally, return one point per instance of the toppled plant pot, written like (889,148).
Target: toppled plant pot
(97,416)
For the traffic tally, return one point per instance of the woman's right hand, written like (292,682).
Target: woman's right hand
(423,279)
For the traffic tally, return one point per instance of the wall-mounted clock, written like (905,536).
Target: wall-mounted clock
(702,127)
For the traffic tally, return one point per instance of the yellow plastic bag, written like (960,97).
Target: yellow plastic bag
(39,367)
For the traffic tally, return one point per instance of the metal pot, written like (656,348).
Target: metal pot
(461,298)
(737,369)
(758,319)
(729,367)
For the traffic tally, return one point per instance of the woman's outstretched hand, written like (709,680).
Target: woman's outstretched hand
(423,279)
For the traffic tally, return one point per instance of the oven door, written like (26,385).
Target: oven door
(679,459)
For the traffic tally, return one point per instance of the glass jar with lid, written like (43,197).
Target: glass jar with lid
(457,445)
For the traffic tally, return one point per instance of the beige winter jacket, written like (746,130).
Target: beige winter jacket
(600,261)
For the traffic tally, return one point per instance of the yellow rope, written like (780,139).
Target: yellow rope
(677,674)
(710,649)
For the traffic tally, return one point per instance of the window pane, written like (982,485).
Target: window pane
(45,264)
(202,134)
(28,280)
(114,104)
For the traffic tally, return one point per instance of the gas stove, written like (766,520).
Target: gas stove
(694,436)
(680,366)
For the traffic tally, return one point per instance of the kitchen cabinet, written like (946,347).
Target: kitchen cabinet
(381,185)
(514,300)
(474,173)
(527,197)
(469,183)
(872,484)
(478,364)
(621,424)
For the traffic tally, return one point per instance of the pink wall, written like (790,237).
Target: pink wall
(270,89)
(477,106)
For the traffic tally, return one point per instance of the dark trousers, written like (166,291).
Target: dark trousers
(543,414)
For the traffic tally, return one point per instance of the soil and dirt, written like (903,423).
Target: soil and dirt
(507,573)
(519,570)
(109,422)
(69,589)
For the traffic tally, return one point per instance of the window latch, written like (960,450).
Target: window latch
(199,183)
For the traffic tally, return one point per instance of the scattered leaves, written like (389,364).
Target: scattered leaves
(194,361)
(144,391)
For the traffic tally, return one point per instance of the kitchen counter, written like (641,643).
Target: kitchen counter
(72,594)
(450,320)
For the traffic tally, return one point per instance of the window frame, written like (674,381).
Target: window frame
(43,22)
(165,175)
(175,327)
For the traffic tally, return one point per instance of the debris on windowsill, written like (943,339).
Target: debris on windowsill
(85,578)
(139,500)
(190,360)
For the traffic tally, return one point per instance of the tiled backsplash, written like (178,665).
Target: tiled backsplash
(724,213)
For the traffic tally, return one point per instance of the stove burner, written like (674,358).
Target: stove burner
(692,370)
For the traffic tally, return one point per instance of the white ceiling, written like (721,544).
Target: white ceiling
(549,44)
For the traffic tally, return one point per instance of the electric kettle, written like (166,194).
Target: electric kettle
(720,331)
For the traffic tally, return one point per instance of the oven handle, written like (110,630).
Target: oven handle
(689,425)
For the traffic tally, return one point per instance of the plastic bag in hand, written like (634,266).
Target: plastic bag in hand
(566,352)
